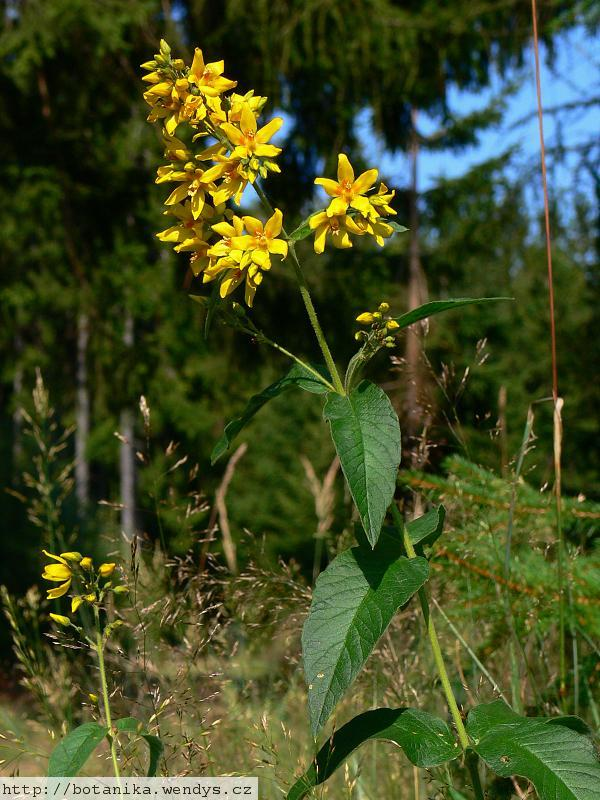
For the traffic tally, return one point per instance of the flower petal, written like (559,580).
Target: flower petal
(268,130)
(274,225)
(364,181)
(345,171)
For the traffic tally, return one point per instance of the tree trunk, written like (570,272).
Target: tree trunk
(127,454)
(417,294)
(82,415)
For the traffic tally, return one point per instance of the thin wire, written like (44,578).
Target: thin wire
(540,114)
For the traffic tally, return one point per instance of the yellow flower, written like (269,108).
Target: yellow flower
(209,77)
(250,141)
(193,185)
(86,563)
(188,233)
(347,191)
(335,226)
(262,239)
(106,570)
(377,228)
(233,183)
(57,573)
(381,201)
(58,618)
(227,231)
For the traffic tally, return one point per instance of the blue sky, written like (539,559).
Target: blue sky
(574,76)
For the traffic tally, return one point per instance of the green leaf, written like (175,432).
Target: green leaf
(70,754)
(302,231)
(135,727)
(560,762)
(396,227)
(425,739)
(437,306)
(366,435)
(353,602)
(428,528)
(297,376)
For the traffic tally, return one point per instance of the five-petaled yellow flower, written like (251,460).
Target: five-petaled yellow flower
(60,572)
(248,139)
(347,191)
(209,77)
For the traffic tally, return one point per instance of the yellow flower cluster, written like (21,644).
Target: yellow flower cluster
(382,326)
(65,567)
(222,246)
(352,210)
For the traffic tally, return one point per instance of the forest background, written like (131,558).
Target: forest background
(440,97)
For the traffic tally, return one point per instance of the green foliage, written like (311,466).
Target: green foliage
(425,739)
(71,753)
(558,760)
(426,530)
(353,603)
(437,306)
(155,746)
(366,435)
(297,376)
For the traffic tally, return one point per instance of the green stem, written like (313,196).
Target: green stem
(298,360)
(105,699)
(471,758)
(308,303)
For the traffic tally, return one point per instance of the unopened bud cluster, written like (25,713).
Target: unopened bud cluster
(382,326)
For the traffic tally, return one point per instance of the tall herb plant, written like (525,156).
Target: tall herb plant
(358,594)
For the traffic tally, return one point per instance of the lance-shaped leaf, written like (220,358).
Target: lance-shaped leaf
(366,434)
(155,746)
(354,601)
(428,528)
(297,376)
(558,760)
(437,306)
(71,753)
(425,739)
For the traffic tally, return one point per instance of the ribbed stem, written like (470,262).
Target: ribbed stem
(105,698)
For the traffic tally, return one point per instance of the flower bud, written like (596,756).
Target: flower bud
(93,698)
(72,556)
(60,620)
(106,570)
(75,603)
(120,589)
(164,48)
(366,318)
(86,563)
(384,307)
(392,325)
(376,315)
